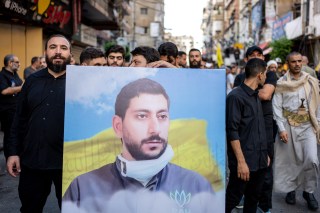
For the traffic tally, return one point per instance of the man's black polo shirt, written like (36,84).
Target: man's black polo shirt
(245,122)
(37,130)
(8,79)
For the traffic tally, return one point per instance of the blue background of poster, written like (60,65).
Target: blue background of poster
(197,94)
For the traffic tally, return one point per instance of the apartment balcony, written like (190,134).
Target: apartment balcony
(218,3)
(217,26)
(99,14)
(218,16)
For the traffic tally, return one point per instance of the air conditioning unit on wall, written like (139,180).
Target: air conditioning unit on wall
(310,30)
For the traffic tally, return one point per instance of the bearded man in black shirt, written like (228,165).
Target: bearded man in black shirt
(35,147)
(10,87)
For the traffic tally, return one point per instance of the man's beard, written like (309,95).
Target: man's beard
(114,64)
(294,70)
(136,151)
(195,64)
(58,68)
(182,65)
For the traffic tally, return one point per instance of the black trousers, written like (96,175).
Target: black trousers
(250,189)
(265,200)
(6,119)
(35,186)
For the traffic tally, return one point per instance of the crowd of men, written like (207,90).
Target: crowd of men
(167,56)
(272,123)
(32,111)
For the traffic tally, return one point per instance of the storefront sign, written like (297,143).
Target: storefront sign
(256,21)
(278,26)
(270,13)
(49,14)
(15,7)
(86,35)
(52,13)
(56,15)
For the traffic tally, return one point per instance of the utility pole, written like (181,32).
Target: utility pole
(307,12)
(250,18)
(305,25)
(121,19)
(134,25)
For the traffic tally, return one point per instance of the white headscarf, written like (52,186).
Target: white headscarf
(272,62)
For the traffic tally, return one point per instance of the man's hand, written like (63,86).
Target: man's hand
(161,63)
(269,160)
(243,171)
(283,136)
(13,165)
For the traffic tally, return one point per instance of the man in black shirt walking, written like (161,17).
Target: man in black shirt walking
(10,87)
(35,147)
(247,145)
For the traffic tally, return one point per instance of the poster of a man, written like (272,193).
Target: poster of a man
(142,170)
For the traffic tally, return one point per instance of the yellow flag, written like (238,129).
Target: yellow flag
(219,56)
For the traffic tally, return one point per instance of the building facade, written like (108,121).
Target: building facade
(147,21)
(259,22)
(25,25)
(184,43)
(212,27)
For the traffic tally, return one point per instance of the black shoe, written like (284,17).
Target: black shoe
(311,200)
(291,198)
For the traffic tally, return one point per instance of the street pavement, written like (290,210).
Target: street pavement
(9,198)
(10,203)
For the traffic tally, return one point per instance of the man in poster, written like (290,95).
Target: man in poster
(141,121)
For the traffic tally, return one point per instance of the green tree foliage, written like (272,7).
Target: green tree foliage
(109,44)
(281,48)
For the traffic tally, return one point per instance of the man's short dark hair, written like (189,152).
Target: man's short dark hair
(134,89)
(90,53)
(255,66)
(7,59)
(56,35)
(34,59)
(149,53)
(181,53)
(168,49)
(292,54)
(193,50)
(115,49)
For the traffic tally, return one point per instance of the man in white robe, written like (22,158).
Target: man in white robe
(296,111)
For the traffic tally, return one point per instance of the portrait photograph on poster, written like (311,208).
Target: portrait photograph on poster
(144,140)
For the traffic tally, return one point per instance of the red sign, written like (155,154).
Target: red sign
(56,15)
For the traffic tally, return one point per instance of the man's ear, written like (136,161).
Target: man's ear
(117,125)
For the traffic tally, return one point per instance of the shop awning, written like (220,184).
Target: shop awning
(267,51)
(264,45)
